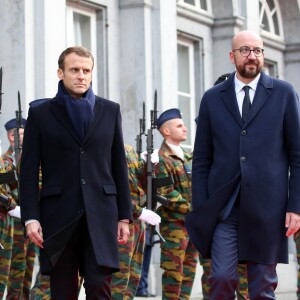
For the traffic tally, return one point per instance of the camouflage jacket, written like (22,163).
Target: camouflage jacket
(136,172)
(8,158)
(6,165)
(179,193)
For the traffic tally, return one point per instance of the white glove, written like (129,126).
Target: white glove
(154,156)
(15,212)
(150,217)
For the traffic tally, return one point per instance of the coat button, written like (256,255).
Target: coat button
(244,132)
(83,181)
(81,150)
(243,159)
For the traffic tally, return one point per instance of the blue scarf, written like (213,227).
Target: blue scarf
(80,111)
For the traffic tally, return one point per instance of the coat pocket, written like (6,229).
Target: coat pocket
(50,191)
(110,189)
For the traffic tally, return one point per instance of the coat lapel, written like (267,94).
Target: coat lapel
(262,94)
(228,96)
(96,116)
(63,118)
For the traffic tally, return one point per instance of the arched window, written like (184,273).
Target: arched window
(270,18)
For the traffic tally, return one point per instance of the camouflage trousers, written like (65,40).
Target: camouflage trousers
(22,264)
(6,240)
(297,242)
(242,288)
(178,260)
(41,287)
(125,282)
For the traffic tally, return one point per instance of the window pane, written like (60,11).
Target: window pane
(192,2)
(183,69)
(203,4)
(265,22)
(82,30)
(184,104)
(276,25)
(271,4)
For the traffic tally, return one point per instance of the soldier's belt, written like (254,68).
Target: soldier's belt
(8,177)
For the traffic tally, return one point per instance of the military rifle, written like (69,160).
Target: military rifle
(154,183)
(17,140)
(139,141)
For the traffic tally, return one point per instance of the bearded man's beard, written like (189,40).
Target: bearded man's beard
(246,72)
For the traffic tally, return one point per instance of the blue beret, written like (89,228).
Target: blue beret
(12,124)
(173,113)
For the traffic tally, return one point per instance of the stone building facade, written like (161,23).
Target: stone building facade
(175,47)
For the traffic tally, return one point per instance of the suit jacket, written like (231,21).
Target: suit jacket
(258,154)
(88,177)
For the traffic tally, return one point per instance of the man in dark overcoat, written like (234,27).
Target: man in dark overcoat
(83,208)
(246,174)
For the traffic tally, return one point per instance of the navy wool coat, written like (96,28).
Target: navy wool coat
(88,177)
(261,156)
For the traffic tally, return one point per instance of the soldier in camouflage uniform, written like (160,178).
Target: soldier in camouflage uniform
(178,255)
(24,251)
(125,282)
(6,229)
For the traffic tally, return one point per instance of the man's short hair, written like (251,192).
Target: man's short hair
(78,50)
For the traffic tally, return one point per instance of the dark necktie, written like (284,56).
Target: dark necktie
(246,102)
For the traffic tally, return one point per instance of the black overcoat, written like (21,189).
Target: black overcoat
(259,155)
(88,177)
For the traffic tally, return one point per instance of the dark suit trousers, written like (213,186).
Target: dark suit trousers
(262,279)
(78,256)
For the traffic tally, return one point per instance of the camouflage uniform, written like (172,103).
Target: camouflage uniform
(23,253)
(297,242)
(6,230)
(178,255)
(125,282)
(205,263)
(41,288)
(242,287)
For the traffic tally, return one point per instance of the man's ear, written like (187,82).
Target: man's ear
(166,131)
(60,74)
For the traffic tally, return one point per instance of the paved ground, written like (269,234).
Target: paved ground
(279,296)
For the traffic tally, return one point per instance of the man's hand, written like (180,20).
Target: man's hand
(292,223)
(35,233)
(150,217)
(123,232)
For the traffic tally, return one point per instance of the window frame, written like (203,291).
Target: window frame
(189,43)
(90,12)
